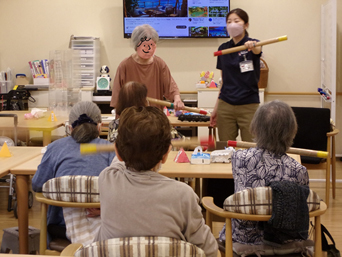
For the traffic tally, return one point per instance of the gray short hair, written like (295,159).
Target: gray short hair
(143,31)
(274,127)
(85,132)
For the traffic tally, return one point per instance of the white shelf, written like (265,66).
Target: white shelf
(98,99)
(87,67)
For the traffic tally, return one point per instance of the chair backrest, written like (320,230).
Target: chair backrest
(258,201)
(73,188)
(255,204)
(73,193)
(141,247)
(313,126)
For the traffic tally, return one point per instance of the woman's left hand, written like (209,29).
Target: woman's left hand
(177,103)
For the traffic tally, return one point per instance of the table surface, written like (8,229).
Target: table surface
(20,155)
(169,168)
(40,124)
(187,170)
(177,123)
(106,118)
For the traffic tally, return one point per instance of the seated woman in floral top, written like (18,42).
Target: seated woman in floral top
(274,127)
(132,94)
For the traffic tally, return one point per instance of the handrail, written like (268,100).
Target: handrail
(270,93)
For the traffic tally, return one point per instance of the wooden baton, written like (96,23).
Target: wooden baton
(243,47)
(98,148)
(171,105)
(299,151)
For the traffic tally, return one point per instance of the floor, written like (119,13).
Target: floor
(331,219)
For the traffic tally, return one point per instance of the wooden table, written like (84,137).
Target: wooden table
(169,169)
(41,124)
(19,155)
(187,170)
(106,118)
(22,157)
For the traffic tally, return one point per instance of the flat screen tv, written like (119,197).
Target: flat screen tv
(178,18)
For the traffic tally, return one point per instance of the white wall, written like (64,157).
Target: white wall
(31,28)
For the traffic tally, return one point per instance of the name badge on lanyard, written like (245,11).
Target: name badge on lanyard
(246,65)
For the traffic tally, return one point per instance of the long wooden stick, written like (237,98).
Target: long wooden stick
(243,47)
(299,151)
(97,148)
(171,105)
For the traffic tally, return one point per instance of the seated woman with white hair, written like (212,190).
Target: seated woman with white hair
(273,127)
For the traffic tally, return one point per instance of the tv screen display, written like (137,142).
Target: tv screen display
(178,18)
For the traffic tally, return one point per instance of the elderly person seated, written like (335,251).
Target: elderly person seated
(274,127)
(135,199)
(63,157)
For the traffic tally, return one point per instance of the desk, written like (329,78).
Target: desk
(169,169)
(41,124)
(19,156)
(106,118)
(25,155)
(187,170)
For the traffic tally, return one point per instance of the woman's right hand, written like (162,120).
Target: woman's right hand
(213,118)
(93,212)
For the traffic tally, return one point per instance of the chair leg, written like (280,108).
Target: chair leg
(327,185)
(223,254)
(43,229)
(209,220)
(333,167)
(229,242)
(318,239)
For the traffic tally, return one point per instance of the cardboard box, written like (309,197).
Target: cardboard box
(21,81)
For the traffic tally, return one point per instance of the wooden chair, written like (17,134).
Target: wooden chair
(136,247)
(315,132)
(104,130)
(56,245)
(212,210)
(75,191)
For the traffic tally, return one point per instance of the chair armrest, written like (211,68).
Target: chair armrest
(71,249)
(209,205)
(41,198)
(333,133)
(322,209)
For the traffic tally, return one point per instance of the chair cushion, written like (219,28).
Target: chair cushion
(58,244)
(140,247)
(266,250)
(258,201)
(83,189)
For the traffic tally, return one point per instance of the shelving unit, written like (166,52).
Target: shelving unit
(87,65)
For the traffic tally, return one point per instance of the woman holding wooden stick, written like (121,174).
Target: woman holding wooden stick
(239,96)
(145,67)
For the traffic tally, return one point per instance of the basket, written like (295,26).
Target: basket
(263,74)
